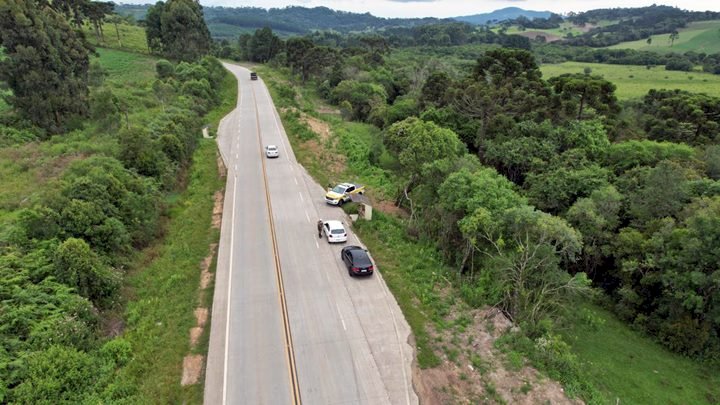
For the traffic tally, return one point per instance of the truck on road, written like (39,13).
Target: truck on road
(341,193)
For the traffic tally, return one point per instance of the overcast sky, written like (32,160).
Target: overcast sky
(454,8)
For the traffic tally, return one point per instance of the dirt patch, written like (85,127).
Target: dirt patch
(195,334)
(474,371)
(324,109)
(222,170)
(389,207)
(535,34)
(219,198)
(112,325)
(205,274)
(192,368)
(319,127)
(201,316)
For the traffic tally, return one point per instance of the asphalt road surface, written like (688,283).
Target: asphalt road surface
(289,325)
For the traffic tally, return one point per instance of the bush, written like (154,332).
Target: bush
(164,69)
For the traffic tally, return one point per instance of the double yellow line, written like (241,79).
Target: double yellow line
(294,385)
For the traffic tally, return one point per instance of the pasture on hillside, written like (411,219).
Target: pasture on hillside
(636,81)
(556,34)
(121,36)
(700,36)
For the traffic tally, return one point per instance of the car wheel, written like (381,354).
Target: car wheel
(351,273)
(340,203)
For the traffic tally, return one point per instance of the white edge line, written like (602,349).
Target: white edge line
(307,216)
(296,182)
(229,295)
(317,244)
(301,197)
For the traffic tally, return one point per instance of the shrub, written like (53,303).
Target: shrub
(164,69)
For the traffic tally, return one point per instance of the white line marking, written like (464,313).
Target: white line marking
(307,216)
(229,294)
(296,182)
(317,245)
(301,197)
(237,156)
(235,167)
(340,315)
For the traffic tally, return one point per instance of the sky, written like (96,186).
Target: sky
(455,8)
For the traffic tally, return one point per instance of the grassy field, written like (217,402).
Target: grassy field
(636,81)
(701,36)
(630,368)
(557,33)
(127,37)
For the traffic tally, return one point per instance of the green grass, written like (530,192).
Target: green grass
(132,37)
(701,36)
(165,283)
(126,67)
(636,81)
(627,366)
(561,32)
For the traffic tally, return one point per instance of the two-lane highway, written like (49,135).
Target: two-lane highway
(289,325)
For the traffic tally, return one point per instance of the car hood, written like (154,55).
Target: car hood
(333,195)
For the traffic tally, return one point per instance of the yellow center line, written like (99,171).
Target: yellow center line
(292,371)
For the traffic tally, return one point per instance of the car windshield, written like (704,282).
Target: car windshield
(272,148)
(339,189)
(361,259)
(337,231)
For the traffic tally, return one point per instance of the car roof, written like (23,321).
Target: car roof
(333,224)
(271,147)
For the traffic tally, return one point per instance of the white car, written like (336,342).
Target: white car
(272,151)
(334,231)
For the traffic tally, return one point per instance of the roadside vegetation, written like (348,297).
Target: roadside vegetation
(105,217)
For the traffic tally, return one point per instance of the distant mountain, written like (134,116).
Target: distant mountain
(509,13)
(228,22)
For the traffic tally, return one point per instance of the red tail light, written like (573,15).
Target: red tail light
(371,268)
(356,269)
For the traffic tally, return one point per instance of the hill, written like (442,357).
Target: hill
(229,22)
(700,36)
(508,13)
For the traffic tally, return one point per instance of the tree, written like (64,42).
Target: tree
(576,92)
(673,37)
(417,143)
(263,45)
(177,30)
(185,35)
(649,41)
(46,65)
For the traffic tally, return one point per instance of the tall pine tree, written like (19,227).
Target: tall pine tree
(46,64)
(176,29)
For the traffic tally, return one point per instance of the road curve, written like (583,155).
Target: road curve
(289,325)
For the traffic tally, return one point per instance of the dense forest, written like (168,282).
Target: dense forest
(537,189)
(289,20)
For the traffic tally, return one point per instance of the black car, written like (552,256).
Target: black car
(253,76)
(357,261)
